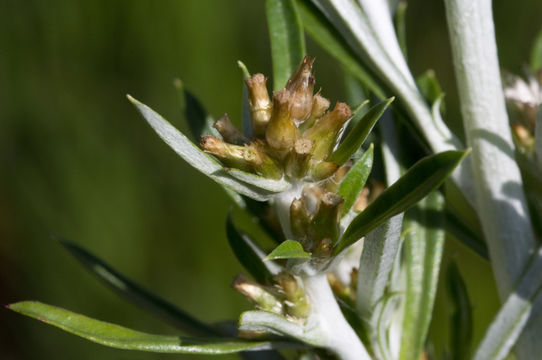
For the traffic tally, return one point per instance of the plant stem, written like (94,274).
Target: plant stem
(340,337)
(500,199)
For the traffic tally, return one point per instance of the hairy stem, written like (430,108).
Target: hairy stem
(340,338)
(500,199)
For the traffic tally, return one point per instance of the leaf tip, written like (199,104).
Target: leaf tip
(243,67)
(177,83)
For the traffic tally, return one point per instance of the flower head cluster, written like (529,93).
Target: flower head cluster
(293,134)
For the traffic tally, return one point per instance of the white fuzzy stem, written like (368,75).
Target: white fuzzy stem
(499,189)
(339,336)
(501,202)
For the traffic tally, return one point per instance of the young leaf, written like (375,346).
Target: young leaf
(194,113)
(461,317)
(194,156)
(249,254)
(245,108)
(430,88)
(321,31)
(536,52)
(423,247)
(400,25)
(289,249)
(423,177)
(505,329)
(123,338)
(379,252)
(355,179)
(137,295)
(287,40)
(359,133)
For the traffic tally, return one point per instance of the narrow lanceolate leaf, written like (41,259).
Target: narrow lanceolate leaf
(289,249)
(249,254)
(379,252)
(194,113)
(423,177)
(245,107)
(359,133)
(512,318)
(134,293)
(423,247)
(430,87)
(461,317)
(123,338)
(196,157)
(400,25)
(536,52)
(260,181)
(321,31)
(355,179)
(538,137)
(287,40)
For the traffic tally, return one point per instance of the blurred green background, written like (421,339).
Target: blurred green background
(77,160)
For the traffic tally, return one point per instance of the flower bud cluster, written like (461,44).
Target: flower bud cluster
(293,133)
(285,297)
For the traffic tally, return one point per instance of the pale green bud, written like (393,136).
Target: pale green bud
(281,132)
(259,102)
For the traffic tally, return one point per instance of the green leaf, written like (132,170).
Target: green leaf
(196,157)
(461,317)
(379,252)
(506,327)
(466,235)
(536,52)
(287,40)
(359,133)
(123,338)
(423,177)
(424,243)
(355,179)
(194,113)
(249,254)
(400,25)
(289,249)
(137,295)
(321,31)
(245,107)
(430,88)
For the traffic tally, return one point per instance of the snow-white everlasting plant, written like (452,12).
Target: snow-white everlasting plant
(354,270)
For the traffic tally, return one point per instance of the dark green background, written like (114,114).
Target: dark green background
(77,160)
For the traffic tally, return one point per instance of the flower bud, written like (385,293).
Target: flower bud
(262,164)
(260,105)
(230,155)
(325,131)
(300,219)
(228,131)
(325,223)
(257,294)
(332,184)
(301,86)
(296,302)
(319,107)
(297,163)
(311,196)
(322,170)
(281,132)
